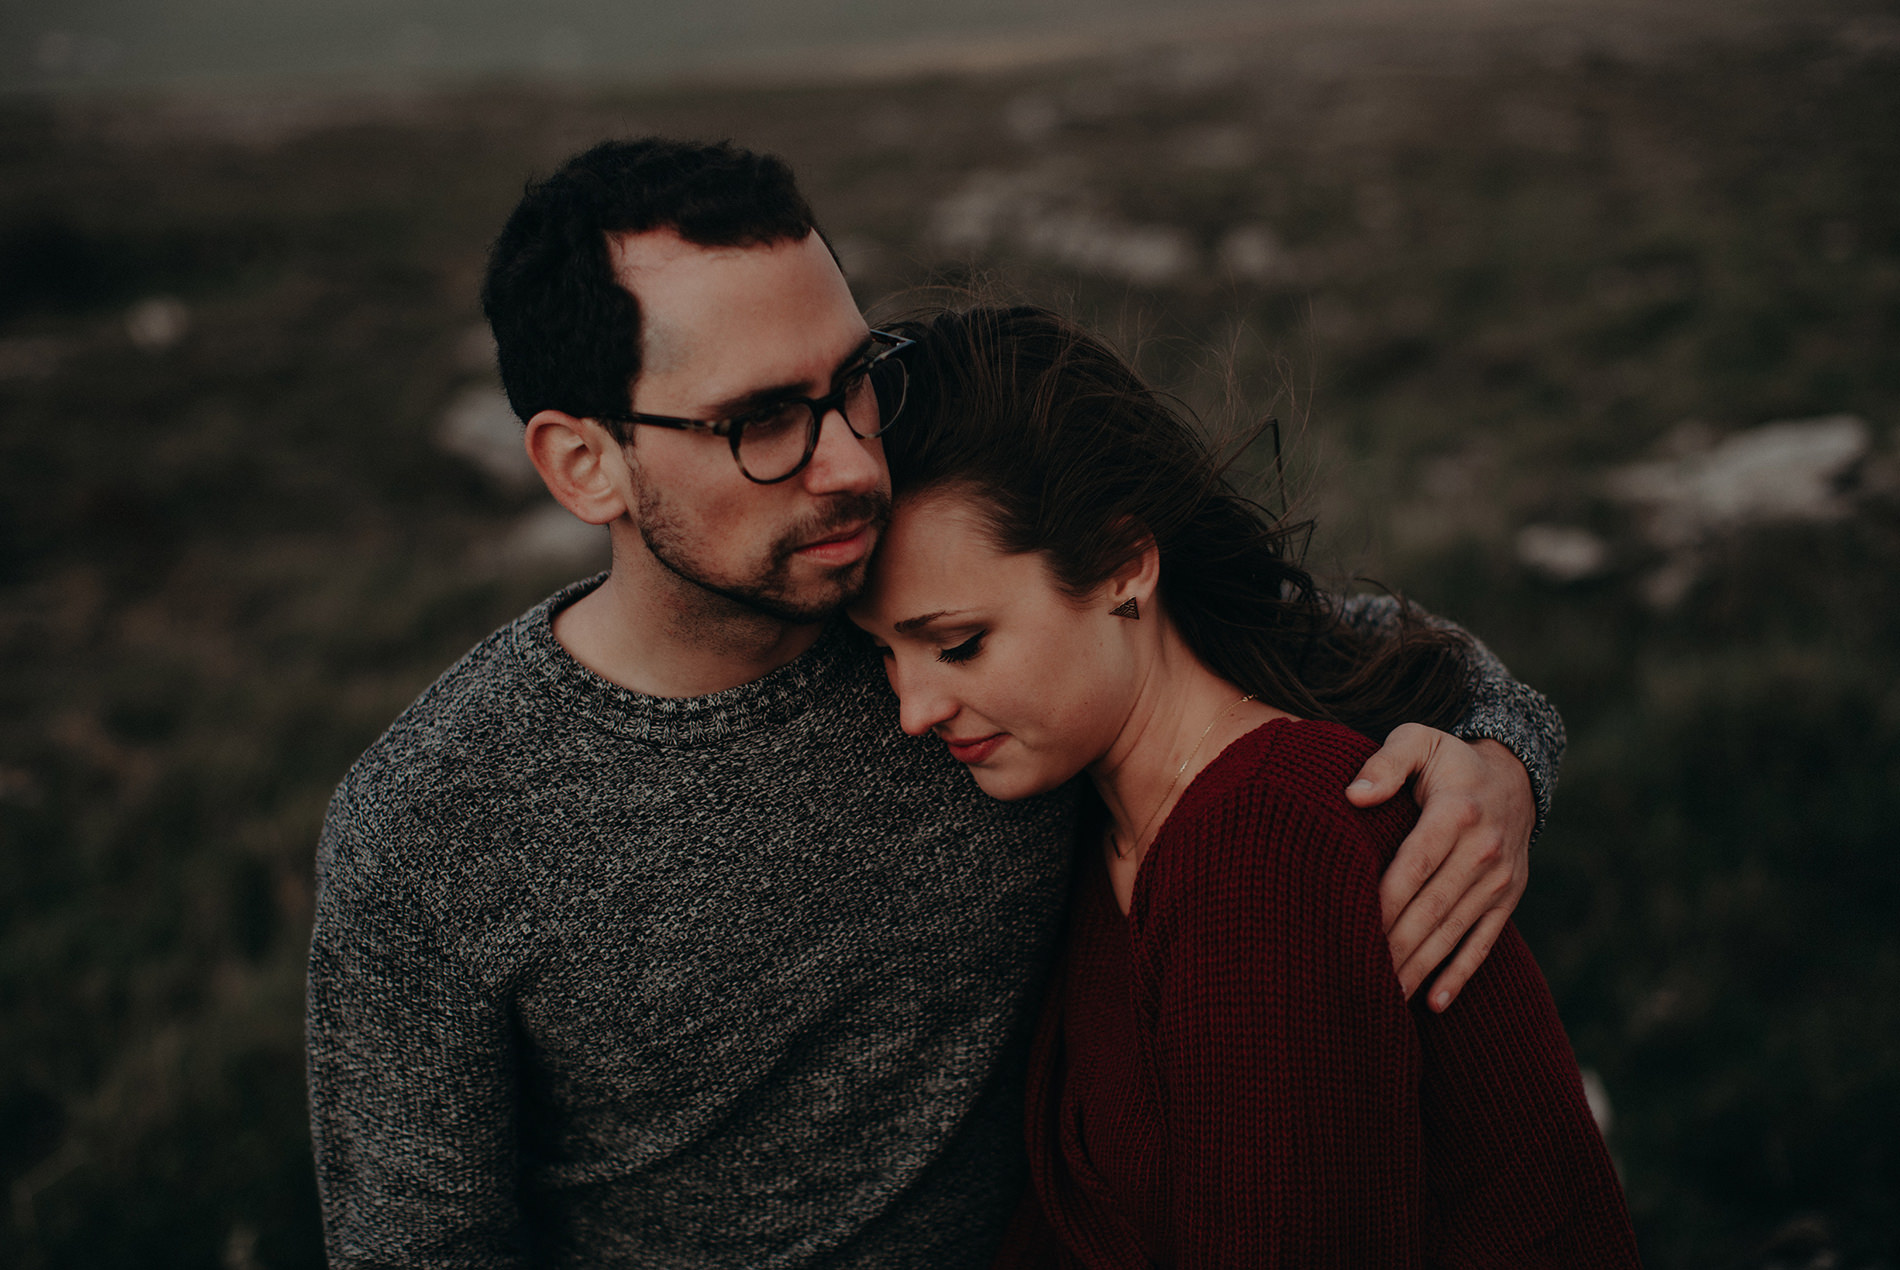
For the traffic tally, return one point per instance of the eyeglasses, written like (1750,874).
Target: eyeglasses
(775,442)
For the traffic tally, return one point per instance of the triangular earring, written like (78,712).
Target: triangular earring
(1128,609)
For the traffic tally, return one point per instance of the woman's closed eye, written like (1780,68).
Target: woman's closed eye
(964,651)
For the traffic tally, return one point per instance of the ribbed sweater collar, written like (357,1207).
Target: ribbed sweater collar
(772,699)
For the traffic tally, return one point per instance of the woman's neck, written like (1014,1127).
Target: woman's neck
(1183,717)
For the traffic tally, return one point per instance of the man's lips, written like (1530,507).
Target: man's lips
(840,548)
(975,749)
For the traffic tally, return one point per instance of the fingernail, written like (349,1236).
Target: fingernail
(1361,784)
(1441,1000)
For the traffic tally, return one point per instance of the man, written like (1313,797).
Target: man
(645,937)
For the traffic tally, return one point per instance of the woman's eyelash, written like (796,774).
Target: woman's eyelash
(964,651)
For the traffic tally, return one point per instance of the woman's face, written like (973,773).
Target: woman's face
(1024,684)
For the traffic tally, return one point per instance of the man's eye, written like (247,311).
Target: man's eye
(770,419)
(964,651)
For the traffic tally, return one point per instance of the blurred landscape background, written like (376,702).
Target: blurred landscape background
(1584,317)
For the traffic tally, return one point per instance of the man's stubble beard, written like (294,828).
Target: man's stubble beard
(767,591)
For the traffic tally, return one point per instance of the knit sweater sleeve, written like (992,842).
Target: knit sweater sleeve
(1313,1118)
(411,1070)
(1516,1171)
(1283,1053)
(1497,707)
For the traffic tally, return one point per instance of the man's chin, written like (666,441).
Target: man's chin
(816,601)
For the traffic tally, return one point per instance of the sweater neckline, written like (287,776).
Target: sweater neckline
(1246,742)
(774,698)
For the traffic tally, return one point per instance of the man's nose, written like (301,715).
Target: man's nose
(842,462)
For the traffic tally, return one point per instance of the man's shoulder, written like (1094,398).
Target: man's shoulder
(464,738)
(451,726)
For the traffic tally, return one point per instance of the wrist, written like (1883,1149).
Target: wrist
(1512,773)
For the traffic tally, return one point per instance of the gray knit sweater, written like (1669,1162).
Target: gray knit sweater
(601,979)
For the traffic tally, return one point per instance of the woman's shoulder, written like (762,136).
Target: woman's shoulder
(1289,760)
(1284,784)
(1265,831)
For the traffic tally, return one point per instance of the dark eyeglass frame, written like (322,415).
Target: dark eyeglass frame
(734,429)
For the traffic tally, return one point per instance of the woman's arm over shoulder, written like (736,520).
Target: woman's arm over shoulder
(1284,1055)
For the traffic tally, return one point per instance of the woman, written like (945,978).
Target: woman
(1225,1071)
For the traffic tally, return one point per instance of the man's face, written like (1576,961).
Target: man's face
(722,330)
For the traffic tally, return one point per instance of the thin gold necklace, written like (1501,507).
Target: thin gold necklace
(1114,841)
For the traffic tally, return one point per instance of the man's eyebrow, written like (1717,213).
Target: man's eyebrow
(910,624)
(779,392)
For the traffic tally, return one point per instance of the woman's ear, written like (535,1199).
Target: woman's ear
(578,461)
(1136,580)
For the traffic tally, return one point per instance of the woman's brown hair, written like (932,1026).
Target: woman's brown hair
(1072,456)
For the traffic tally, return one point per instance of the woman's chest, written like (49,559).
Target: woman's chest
(1112,1137)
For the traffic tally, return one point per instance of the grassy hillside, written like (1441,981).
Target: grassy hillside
(1485,262)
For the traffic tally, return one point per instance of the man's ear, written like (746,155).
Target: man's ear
(578,460)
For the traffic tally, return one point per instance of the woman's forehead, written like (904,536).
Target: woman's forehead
(938,554)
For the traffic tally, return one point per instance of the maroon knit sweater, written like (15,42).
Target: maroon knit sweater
(1229,1076)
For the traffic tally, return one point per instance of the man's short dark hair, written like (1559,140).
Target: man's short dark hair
(567,334)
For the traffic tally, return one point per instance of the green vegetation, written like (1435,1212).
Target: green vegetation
(1489,260)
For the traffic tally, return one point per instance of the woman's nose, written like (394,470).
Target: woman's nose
(919,707)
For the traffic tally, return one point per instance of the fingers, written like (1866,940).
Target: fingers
(1464,865)
(1475,877)
(1482,908)
(1453,978)
(1441,826)
(1439,942)
(1407,750)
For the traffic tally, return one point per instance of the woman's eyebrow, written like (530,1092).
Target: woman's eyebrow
(910,624)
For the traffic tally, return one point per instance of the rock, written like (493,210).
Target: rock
(1599,1099)
(1665,586)
(1087,243)
(1254,253)
(1790,471)
(480,426)
(975,215)
(1562,553)
(157,323)
(1046,217)
(1778,472)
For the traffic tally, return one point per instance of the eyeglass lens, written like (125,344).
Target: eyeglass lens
(774,445)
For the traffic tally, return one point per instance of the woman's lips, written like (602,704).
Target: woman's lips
(845,548)
(976,749)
